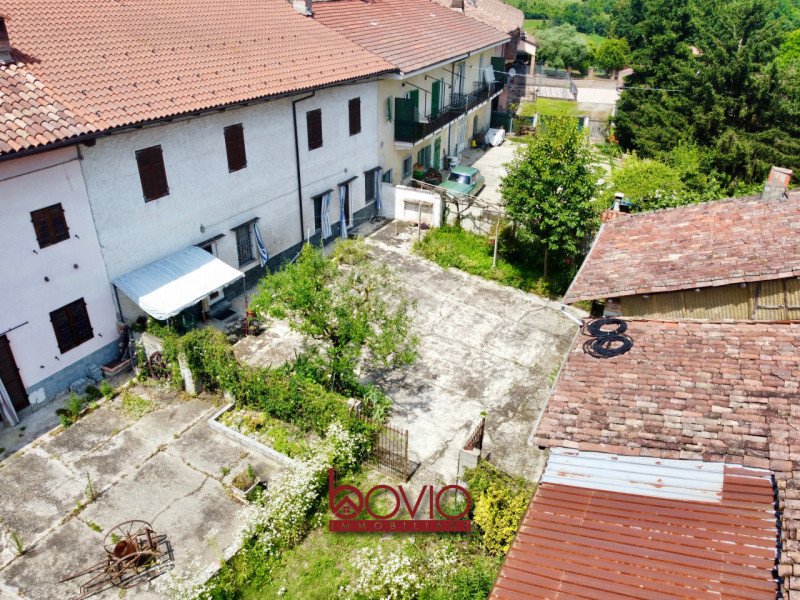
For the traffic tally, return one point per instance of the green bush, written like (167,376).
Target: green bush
(107,390)
(71,411)
(500,503)
(471,583)
(92,393)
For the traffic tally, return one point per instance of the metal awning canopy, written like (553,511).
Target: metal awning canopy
(165,287)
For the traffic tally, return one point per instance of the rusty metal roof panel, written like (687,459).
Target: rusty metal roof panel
(658,477)
(585,543)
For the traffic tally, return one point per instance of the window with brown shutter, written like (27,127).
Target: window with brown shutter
(152,173)
(314,126)
(50,225)
(354,108)
(71,325)
(234,147)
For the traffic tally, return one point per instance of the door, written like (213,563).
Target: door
(436,96)
(437,153)
(413,95)
(10,376)
(347,204)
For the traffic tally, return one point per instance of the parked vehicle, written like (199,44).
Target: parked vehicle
(464,181)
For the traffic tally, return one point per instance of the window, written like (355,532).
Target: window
(424,156)
(354,110)
(318,212)
(369,187)
(234,147)
(407,167)
(244,244)
(152,173)
(71,325)
(314,126)
(387,176)
(50,225)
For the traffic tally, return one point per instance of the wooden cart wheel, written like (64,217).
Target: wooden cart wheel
(158,366)
(127,530)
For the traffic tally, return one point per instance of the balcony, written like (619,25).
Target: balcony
(408,129)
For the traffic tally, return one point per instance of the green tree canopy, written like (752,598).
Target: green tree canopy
(612,54)
(549,187)
(349,308)
(705,74)
(562,47)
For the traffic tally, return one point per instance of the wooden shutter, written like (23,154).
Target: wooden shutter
(234,147)
(50,225)
(314,126)
(152,173)
(71,325)
(354,109)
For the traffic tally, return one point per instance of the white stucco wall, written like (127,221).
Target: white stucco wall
(202,193)
(392,154)
(28,184)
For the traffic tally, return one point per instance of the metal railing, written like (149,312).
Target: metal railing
(413,131)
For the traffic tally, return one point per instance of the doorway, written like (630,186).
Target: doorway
(9,373)
(347,204)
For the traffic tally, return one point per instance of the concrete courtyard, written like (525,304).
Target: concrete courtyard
(484,348)
(167,468)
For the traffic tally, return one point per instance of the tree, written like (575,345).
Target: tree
(549,188)
(349,309)
(562,47)
(705,74)
(612,54)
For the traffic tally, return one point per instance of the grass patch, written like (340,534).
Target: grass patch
(549,107)
(453,247)
(135,406)
(279,435)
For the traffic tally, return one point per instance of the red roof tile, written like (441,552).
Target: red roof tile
(576,542)
(84,67)
(494,13)
(701,245)
(727,392)
(410,34)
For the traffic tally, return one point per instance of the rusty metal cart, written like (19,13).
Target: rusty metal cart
(135,553)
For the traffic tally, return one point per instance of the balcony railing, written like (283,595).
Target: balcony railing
(410,130)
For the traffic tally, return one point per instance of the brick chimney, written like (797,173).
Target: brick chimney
(5,44)
(303,7)
(777,183)
(620,208)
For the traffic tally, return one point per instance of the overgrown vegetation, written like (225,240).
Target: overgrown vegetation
(349,309)
(73,407)
(135,406)
(500,503)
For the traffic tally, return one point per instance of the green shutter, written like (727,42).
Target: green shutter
(389,109)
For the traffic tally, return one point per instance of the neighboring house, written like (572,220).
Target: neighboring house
(693,391)
(621,527)
(180,137)
(56,309)
(449,67)
(729,259)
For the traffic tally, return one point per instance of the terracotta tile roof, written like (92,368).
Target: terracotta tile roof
(580,542)
(701,245)
(105,64)
(410,34)
(494,13)
(727,392)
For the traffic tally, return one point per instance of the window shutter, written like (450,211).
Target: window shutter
(59,223)
(234,147)
(314,126)
(354,109)
(39,219)
(152,173)
(62,330)
(50,225)
(389,109)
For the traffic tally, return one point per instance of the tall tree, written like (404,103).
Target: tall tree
(549,187)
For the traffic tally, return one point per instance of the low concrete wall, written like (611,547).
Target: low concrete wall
(254,445)
(410,202)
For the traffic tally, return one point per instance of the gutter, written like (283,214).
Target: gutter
(297,161)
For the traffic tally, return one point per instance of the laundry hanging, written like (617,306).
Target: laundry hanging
(342,215)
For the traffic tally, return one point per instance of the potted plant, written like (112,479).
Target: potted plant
(245,482)
(418,171)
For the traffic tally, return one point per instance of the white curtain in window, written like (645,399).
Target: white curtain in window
(378,202)
(263,255)
(326,216)
(6,407)
(342,216)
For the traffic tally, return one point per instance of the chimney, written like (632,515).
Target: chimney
(777,183)
(303,7)
(619,208)
(5,44)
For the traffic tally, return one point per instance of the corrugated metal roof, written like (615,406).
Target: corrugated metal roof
(585,543)
(657,477)
(166,286)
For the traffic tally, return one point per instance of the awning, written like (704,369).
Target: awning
(167,286)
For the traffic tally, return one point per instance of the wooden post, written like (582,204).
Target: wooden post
(496,237)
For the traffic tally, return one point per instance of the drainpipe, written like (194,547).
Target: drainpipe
(297,163)
(570,316)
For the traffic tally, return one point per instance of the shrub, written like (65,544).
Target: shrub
(500,503)
(467,583)
(134,406)
(107,390)
(71,411)
(92,393)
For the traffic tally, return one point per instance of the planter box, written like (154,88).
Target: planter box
(115,368)
(247,441)
(242,494)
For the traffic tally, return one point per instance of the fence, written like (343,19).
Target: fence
(390,449)
(475,439)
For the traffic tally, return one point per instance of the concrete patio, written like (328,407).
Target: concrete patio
(168,468)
